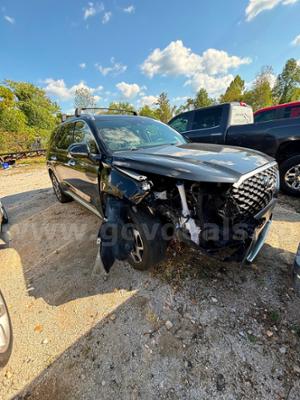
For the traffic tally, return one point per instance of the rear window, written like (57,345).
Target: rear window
(241,115)
(265,116)
(207,118)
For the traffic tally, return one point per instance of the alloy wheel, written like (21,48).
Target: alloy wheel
(138,250)
(292,177)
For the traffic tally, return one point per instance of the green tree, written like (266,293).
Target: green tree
(122,105)
(84,98)
(164,110)
(287,84)
(27,112)
(260,95)
(7,98)
(12,120)
(235,91)
(202,99)
(147,111)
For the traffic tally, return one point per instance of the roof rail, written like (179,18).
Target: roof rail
(64,117)
(78,111)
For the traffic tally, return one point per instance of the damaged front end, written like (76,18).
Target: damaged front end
(228,221)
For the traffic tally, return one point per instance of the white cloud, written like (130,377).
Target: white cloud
(130,9)
(59,89)
(255,7)
(106,17)
(82,65)
(128,90)
(176,59)
(214,85)
(9,19)
(92,9)
(218,61)
(296,41)
(298,62)
(148,100)
(116,68)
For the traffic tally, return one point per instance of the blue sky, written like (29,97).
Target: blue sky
(132,50)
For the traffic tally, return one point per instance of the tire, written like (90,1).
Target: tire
(290,176)
(6,340)
(5,216)
(59,193)
(148,251)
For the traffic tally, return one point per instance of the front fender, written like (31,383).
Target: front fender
(118,184)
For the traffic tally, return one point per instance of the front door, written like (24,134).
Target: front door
(83,174)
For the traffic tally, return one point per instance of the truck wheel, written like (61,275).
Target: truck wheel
(149,244)
(59,193)
(290,176)
(6,336)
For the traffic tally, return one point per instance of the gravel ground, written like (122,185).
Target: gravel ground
(192,328)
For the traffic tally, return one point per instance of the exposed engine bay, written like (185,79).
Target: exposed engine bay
(221,219)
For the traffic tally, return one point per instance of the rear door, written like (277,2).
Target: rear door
(63,139)
(207,125)
(83,173)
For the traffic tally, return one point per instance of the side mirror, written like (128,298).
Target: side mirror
(78,150)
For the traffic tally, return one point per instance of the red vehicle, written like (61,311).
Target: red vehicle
(281,111)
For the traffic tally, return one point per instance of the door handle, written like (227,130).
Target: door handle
(53,158)
(71,163)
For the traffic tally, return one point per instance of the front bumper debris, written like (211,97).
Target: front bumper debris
(260,233)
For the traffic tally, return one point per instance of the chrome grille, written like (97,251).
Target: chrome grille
(255,193)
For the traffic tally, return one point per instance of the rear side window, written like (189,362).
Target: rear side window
(180,123)
(83,134)
(207,118)
(291,112)
(64,137)
(265,116)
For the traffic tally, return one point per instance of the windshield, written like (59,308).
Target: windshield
(130,133)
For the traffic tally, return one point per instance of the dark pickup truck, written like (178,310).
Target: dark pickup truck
(232,124)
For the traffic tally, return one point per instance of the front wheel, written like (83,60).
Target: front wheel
(6,335)
(290,176)
(149,246)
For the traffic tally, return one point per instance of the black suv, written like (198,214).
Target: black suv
(6,338)
(149,185)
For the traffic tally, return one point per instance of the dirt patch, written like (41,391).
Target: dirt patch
(191,328)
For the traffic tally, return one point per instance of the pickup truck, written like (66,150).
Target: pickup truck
(233,124)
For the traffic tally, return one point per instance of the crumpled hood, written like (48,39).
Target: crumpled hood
(193,161)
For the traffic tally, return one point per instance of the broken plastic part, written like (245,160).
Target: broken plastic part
(186,221)
(115,236)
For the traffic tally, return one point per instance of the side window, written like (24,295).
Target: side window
(265,116)
(205,119)
(180,123)
(64,137)
(83,134)
(292,112)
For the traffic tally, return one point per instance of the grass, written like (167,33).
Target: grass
(32,161)
(275,316)
(251,338)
